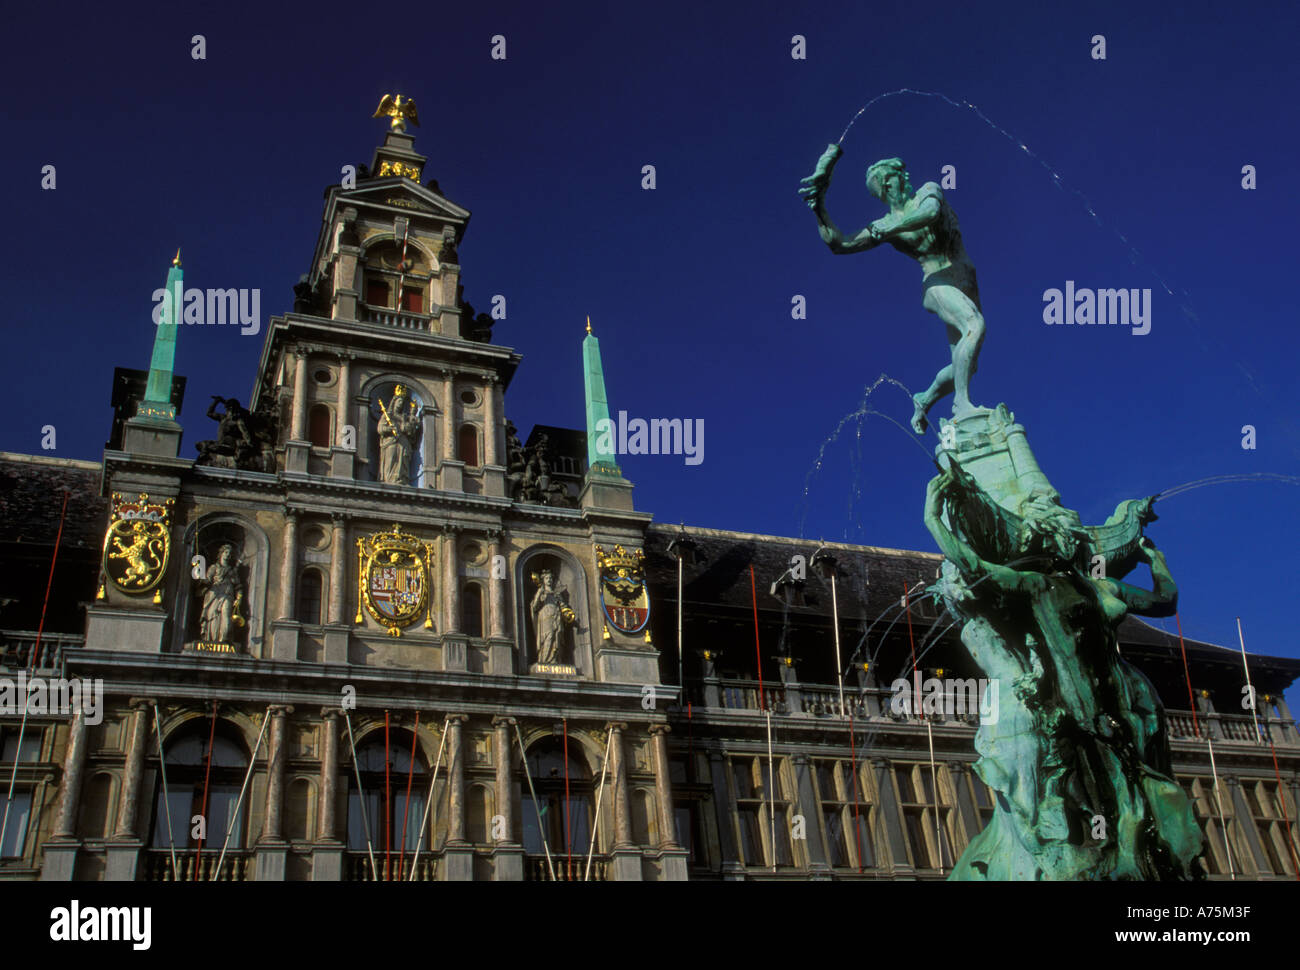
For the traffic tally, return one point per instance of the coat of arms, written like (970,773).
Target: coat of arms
(137,545)
(394,570)
(623,595)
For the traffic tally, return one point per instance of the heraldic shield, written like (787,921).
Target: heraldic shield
(137,544)
(623,595)
(394,572)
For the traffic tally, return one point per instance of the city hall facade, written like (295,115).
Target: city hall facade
(367,633)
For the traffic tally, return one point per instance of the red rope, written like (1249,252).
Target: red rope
(406,806)
(388,804)
(758,654)
(1187,674)
(207,775)
(36,650)
(568,843)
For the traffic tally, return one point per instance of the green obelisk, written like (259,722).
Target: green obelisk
(157,401)
(600,439)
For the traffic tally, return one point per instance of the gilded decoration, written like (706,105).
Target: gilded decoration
(394,571)
(137,545)
(623,595)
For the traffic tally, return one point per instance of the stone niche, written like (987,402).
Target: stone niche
(206,538)
(573,646)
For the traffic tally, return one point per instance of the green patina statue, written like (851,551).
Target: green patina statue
(1078,757)
(921,225)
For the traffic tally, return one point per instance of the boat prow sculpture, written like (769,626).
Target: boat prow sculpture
(1078,757)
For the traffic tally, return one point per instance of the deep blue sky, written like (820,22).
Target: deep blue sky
(689,287)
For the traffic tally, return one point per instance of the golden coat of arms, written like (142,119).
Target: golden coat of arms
(623,596)
(394,573)
(137,545)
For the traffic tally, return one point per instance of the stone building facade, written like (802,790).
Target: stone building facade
(442,662)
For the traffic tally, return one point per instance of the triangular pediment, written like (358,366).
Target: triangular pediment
(397,192)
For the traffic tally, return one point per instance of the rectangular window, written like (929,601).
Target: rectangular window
(413,300)
(762,844)
(927,819)
(1270,812)
(31,744)
(377,293)
(842,802)
(20,810)
(1221,857)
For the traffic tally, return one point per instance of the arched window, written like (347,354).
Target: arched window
(298,814)
(471,605)
(318,425)
(467,443)
(188,778)
(388,813)
(96,802)
(567,827)
(309,597)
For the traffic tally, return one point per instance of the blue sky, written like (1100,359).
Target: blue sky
(689,286)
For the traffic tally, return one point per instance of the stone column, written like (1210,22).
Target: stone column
(490,426)
(326,827)
(298,427)
(272,849)
(128,803)
(456,778)
(338,567)
(626,865)
(501,748)
(664,787)
(60,851)
(74,769)
(501,650)
(289,565)
(344,407)
(458,854)
(618,768)
(273,822)
(451,582)
(448,416)
(343,459)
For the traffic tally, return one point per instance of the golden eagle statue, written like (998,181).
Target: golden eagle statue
(400,111)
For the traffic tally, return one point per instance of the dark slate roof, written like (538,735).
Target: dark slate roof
(870,583)
(31,499)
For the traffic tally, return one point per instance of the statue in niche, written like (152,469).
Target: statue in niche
(223,598)
(399,430)
(552,616)
(245,439)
